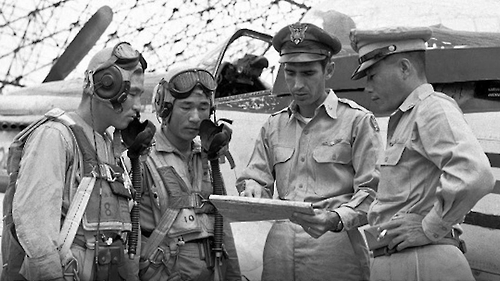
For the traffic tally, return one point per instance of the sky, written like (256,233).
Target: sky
(172,31)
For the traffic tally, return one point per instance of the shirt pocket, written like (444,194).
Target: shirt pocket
(282,169)
(332,163)
(394,175)
(335,152)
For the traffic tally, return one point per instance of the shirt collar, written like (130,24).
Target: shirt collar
(330,104)
(162,144)
(420,93)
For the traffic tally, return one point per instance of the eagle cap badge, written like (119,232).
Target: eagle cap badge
(297,32)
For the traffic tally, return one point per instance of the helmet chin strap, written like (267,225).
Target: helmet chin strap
(116,106)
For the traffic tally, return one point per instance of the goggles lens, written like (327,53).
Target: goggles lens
(182,83)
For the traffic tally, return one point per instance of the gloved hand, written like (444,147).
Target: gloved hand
(138,137)
(215,139)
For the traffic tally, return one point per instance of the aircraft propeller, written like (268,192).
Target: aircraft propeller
(81,44)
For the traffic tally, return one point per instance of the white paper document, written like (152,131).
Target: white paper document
(236,208)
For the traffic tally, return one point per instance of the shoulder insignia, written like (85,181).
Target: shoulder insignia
(374,123)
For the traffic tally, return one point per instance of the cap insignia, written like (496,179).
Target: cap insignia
(297,32)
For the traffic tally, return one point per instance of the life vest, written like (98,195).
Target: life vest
(109,191)
(174,188)
(110,180)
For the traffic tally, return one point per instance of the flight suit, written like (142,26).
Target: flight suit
(183,184)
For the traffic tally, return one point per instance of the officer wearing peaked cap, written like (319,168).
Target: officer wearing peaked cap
(320,149)
(305,42)
(374,45)
(418,213)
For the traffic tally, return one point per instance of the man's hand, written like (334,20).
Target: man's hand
(254,190)
(138,137)
(318,224)
(408,234)
(214,139)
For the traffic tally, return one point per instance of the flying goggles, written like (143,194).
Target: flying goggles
(124,56)
(182,83)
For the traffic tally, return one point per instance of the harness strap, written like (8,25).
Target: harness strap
(159,233)
(157,189)
(194,200)
(165,223)
(74,217)
(88,264)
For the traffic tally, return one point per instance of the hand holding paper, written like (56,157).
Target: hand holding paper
(237,208)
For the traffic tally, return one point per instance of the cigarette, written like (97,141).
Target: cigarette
(382,234)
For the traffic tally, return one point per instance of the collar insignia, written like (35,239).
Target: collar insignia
(297,32)
(374,123)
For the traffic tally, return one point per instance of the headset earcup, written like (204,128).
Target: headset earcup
(167,109)
(108,83)
(162,108)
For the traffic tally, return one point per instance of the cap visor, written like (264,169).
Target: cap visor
(360,72)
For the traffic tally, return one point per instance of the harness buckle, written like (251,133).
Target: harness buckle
(155,257)
(199,201)
(71,269)
(108,173)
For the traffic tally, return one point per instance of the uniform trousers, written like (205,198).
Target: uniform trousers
(430,262)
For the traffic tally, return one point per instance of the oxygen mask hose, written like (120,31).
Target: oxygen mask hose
(138,138)
(215,139)
(134,213)
(219,220)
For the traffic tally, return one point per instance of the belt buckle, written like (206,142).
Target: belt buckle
(199,200)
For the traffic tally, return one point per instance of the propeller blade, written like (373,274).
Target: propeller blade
(81,45)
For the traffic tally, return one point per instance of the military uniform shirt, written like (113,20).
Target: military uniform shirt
(432,166)
(329,159)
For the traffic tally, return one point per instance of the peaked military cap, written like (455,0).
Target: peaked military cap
(305,42)
(374,45)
